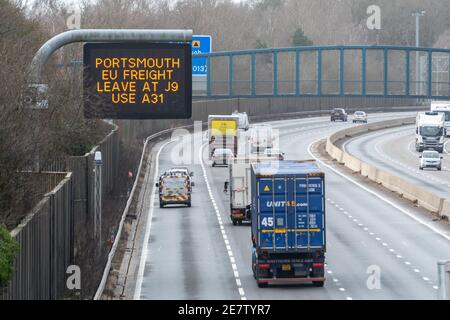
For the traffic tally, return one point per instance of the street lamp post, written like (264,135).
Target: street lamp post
(418,14)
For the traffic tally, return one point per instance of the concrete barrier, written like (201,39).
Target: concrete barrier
(406,189)
(446,209)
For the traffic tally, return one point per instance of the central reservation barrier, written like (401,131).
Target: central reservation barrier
(406,189)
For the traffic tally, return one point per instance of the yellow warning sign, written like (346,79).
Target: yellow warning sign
(196,44)
(266,189)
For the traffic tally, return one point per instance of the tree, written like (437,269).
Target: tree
(8,251)
(299,39)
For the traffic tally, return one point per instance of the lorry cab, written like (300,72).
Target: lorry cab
(174,190)
(430,131)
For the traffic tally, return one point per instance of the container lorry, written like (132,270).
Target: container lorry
(288,223)
(240,191)
(430,131)
(223,133)
(443,107)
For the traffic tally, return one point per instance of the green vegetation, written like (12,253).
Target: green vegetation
(300,39)
(8,251)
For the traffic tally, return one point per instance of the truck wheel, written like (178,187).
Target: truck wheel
(319,284)
(421,168)
(213,164)
(439,169)
(161,205)
(234,222)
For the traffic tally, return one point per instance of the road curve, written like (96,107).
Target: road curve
(394,151)
(197,253)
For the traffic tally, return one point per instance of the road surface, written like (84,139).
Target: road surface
(196,253)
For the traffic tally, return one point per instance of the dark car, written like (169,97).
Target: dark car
(339,114)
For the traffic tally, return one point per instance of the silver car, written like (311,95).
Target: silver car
(360,116)
(431,159)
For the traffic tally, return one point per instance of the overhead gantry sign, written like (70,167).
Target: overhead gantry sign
(137,81)
(128,74)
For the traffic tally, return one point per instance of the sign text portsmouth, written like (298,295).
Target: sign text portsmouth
(137,81)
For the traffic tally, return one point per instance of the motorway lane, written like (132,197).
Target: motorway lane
(393,150)
(186,255)
(193,263)
(352,245)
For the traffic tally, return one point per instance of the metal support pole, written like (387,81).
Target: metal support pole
(417,56)
(209,75)
(98,163)
(417,15)
(253,75)
(230,75)
(275,73)
(430,73)
(408,73)
(342,72)
(386,72)
(444,280)
(102,35)
(297,72)
(363,71)
(319,72)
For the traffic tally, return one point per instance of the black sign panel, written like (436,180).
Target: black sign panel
(137,81)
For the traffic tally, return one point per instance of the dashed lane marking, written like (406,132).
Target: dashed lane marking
(222,229)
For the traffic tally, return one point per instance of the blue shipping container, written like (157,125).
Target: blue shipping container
(288,207)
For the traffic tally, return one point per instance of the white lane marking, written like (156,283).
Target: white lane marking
(222,229)
(385,245)
(144,252)
(445,147)
(376,194)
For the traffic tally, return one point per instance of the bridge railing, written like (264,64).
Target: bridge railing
(372,71)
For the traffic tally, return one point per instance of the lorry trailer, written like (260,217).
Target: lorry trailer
(240,182)
(288,223)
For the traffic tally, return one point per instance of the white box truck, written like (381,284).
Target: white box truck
(240,190)
(430,131)
(223,131)
(443,107)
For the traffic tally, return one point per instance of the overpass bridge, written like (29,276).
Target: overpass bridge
(327,71)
